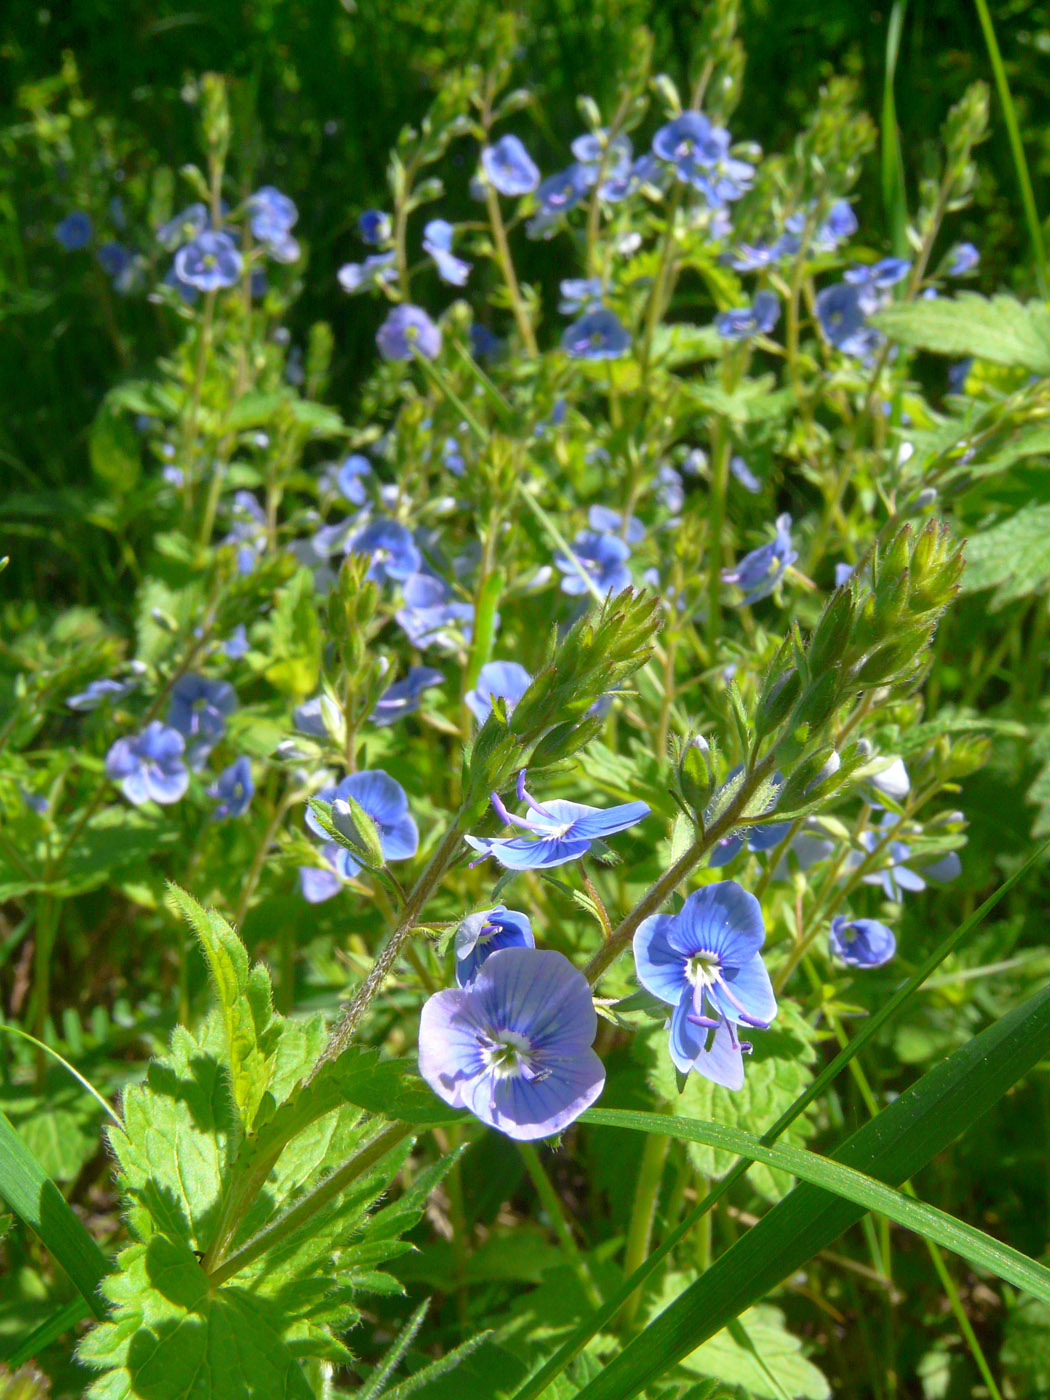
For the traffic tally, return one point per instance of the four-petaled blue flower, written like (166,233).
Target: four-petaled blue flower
(861,942)
(149,766)
(386,802)
(506,680)
(842,314)
(480,935)
(233,790)
(509,167)
(759,572)
(272,214)
(705,962)
(375,227)
(406,331)
(515,1046)
(597,335)
(437,242)
(392,551)
(747,321)
(556,196)
(183,227)
(602,559)
(198,710)
(402,698)
(74,232)
(210,262)
(559,831)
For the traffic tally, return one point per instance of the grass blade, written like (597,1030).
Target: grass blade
(967,1241)
(40,1337)
(35,1199)
(892,1147)
(893,193)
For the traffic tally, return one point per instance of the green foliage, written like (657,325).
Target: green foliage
(1012,556)
(999,329)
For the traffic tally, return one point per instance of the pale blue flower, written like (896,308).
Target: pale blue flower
(602,559)
(402,698)
(748,321)
(480,935)
(861,942)
(149,766)
(198,711)
(597,335)
(437,243)
(759,572)
(209,263)
(509,167)
(233,790)
(407,331)
(505,680)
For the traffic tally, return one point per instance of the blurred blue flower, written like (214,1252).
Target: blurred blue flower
(406,330)
(198,711)
(746,321)
(210,262)
(183,227)
(149,766)
(348,478)
(437,243)
(754,257)
(698,151)
(375,227)
(509,167)
(390,548)
(669,489)
(597,335)
(592,148)
(861,942)
(840,224)
(759,572)
(604,519)
(603,558)
(579,294)
(233,790)
(556,196)
(485,345)
(559,831)
(35,801)
(114,259)
(386,802)
(743,473)
(430,617)
(646,170)
(101,692)
(402,698)
(482,934)
(895,877)
(871,280)
(375,271)
(504,679)
(515,1046)
(962,259)
(75,230)
(843,319)
(236,644)
(271,214)
(248,531)
(705,962)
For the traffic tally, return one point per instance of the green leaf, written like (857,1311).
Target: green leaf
(778,1071)
(769,1364)
(245,1006)
(1025,1355)
(891,1148)
(36,1200)
(999,329)
(1013,557)
(113,447)
(294,639)
(173,1338)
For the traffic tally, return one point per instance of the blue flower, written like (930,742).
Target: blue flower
(35,801)
(509,167)
(114,259)
(437,242)
(385,801)
(505,680)
(669,489)
(233,790)
(743,473)
(375,227)
(840,224)
(284,249)
(391,550)
(962,259)
(759,572)
(604,519)
(646,170)
(515,1046)
(272,214)
(320,717)
(248,531)
(579,294)
(375,271)
(429,613)
(402,698)
(198,711)
(563,190)
(236,644)
(100,693)
(895,878)
(603,559)
(559,831)
(211,261)
(597,335)
(348,479)
(592,148)
(861,942)
(149,767)
(842,314)
(407,330)
(75,230)
(705,962)
(480,935)
(183,227)
(699,154)
(746,321)
(754,257)
(872,280)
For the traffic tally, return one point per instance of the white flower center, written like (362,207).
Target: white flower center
(703,969)
(508,1054)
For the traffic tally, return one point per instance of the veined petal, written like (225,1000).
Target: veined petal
(401,840)
(540,995)
(605,822)
(750,985)
(518,853)
(450,1056)
(529,1109)
(723,919)
(377,793)
(660,966)
(318,885)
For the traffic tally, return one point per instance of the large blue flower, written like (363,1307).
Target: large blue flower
(515,1046)
(861,942)
(506,680)
(482,934)
(601,557)
(759,572)
(211,261)
(149,766)
(406,331)
(705,962)
(597,335)
(391,550)
(198,710)
(509,167)
(559,831)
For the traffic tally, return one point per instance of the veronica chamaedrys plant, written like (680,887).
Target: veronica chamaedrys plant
(150,767)
(861,942)
(514,1047)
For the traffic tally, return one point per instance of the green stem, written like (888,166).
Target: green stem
(556,1214)
(721,453)
(506,265)
(191,422)
(643,1213)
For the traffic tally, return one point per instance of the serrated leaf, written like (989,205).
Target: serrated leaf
(776,1072)
(1013,556)
(293,639)
(113,447)
(769,1365)
(245,1008)
(999,329)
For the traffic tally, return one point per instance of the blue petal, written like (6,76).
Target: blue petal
(751,986)
(518,853)
(450,1057)
(660,968)
(318,885)
(401,840)
(724,851)
(540,995)
(723,919)
(377,793)
(612,819)
(166,787)
(529,1109)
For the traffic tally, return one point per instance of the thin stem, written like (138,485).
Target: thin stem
(643,1213)
(191,421)
(506,265)
(259,860)
(560,1225)
(716,520)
